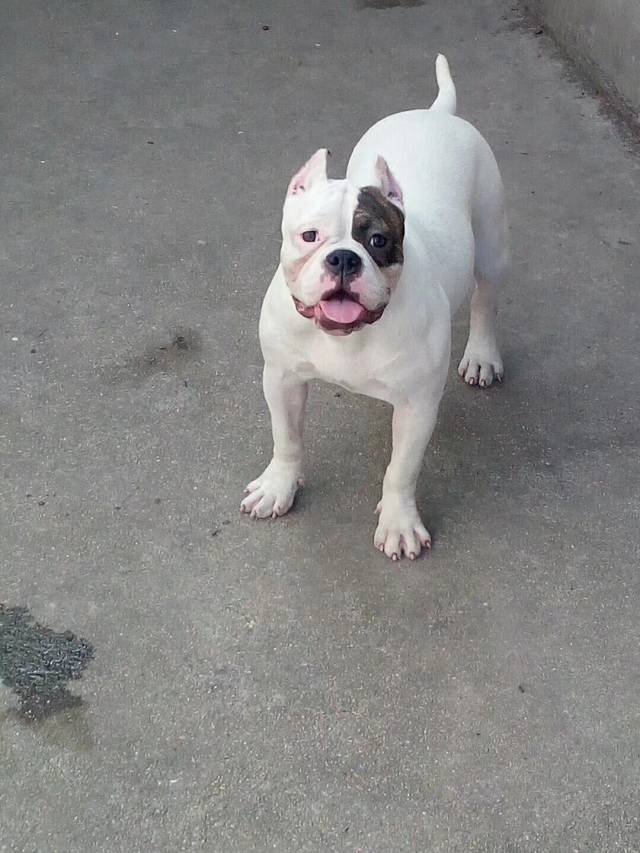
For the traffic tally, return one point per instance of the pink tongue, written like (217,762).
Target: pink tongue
(341,310)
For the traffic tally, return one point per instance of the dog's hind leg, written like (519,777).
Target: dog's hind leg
(481,362)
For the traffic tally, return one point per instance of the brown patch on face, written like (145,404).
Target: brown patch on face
(376,216)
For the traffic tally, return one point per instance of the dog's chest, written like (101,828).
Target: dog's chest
(361,370)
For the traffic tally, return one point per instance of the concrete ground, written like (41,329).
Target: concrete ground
(281,686)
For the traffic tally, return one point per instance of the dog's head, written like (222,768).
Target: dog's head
(342,245)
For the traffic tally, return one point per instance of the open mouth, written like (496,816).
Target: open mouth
(340,308)
(340,313)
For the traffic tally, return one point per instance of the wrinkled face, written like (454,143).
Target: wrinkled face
(342,246)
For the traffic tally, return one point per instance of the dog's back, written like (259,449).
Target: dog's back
(449,175)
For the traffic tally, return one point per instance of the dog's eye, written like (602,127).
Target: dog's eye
(378,241)
(309,236)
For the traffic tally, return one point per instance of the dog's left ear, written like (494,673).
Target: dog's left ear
(389,186)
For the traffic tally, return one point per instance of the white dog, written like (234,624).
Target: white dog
(372,269)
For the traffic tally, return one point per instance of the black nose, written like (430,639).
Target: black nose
(343,262)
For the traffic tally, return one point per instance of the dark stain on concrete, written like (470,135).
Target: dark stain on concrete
(68,730)
(36,663)
(388,4)
(163,358)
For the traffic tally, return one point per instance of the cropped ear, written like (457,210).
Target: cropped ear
(314,170)
(389,187)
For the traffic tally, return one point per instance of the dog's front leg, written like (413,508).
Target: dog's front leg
(400,529)
(272,493)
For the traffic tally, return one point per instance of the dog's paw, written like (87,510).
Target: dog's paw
(481,365)
(400,531)
(272,494)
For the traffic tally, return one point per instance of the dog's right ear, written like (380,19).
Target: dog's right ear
(313,171)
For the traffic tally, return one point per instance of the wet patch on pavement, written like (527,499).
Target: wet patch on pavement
(36,663)
(164,358)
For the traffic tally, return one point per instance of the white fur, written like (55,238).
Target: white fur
(446,99)
(456,244)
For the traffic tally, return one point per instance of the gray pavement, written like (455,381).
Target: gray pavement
(281,686)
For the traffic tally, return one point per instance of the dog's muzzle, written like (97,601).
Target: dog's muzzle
(338,312)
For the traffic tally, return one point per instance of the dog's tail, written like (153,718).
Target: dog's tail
(446,100)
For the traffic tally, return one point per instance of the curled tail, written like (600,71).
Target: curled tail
(446,100)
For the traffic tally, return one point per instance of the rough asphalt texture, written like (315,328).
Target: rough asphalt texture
(281,686)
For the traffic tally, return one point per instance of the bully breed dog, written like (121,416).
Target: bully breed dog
(372,269)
